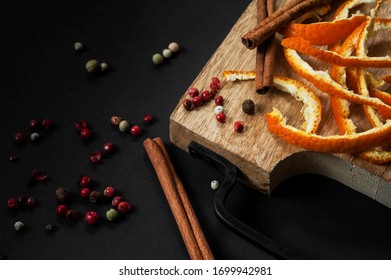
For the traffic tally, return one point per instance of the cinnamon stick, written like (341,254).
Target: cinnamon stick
(179,203)
(194,223)
(260,54)
(277,20)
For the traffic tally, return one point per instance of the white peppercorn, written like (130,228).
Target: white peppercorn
(19,226)
(78,46)
(214,184)
(124,126)
(173,46)
(166,53)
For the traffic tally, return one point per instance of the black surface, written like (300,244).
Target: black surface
(41,76)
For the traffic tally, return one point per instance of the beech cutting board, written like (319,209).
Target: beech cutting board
(263,159)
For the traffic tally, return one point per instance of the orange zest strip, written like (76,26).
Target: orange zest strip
(233,75)
(312,106)
(323,81)
(382,95)
(303,46)
(343,10)
(353,143)
(324,33)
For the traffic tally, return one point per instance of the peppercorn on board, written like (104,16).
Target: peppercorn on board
(263,159)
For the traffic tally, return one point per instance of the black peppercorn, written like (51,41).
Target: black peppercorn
(50,228)
(248,106)
(62,194)
(95,196)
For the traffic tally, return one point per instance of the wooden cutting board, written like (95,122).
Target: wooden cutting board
(263,159)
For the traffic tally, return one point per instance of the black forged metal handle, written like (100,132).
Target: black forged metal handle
(234,224)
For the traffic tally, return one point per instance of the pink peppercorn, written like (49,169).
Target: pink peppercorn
(80,125)
(108,148)
(95,157)
(198,101)
(62,209)
(219,100)
(91,217)
(116,200)
(19,136)
(206,95)
(148,118)
(193,91)
(220,117)
(12,203)
(85,134)
(85,192)
(85,181)
(238,126)
(135,130)
(188,104)
(109,191)
(124,207)
(47,124)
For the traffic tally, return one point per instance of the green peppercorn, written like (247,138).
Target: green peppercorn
(124,125)
(92,66)
(19,226)
(78,46)
(111,215)
(104,66)
(34,136)
(167,53)
(157,58)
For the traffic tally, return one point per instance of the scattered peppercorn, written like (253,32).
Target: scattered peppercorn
(22,200)
(78,46)
(96,157)
(85,192)
(62,194)
(71,215)
(38,174)
(248,106)
(92,66)
(109,191)
(85,134)
(214,184)
(12,203)
(19,226)
(108,147)
(116,200)
(188,104)
(219,100)
(219,109)
(166,53)
(14,158)
(95,197)
(62,209)
(31,201)
(173,46)
(198,101)
(193,91)
(80,125)
(220,117)
(124,206)
(91,218)
(157,58)
(111,215)
(85,181)
(104,66)
(34,124)
(123,126)
(47,124)
(148,118)
(34,136)
(19,136)
(50,228)
(116,120)
(135,130)
(238,126)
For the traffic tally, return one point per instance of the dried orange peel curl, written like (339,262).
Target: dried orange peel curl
(324,33)
(349,143)
(312,106)
(323,81)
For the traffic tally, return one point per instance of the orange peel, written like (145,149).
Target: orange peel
(348,143)
(305,47)
(324,33)
(312,106)
(233,75)
(323,81)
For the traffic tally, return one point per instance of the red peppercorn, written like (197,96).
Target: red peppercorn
(198,101)
(193,91)
(238,126)
(188,104)
(206,95)
(216,81)
(116,200)
(19,136)
(91,217)
(85,192)
(108,148)
(220,117)
(109,191)
(12,203)
(80,125)
(148,118)
(219,100)
(62,209)
(124,207)
(14,158)
(85,181)
(135,130)
(95,157)
(85,133)
(34,124)
(38,174)
(71,215)
(31,201)
(22,200)
(47,123)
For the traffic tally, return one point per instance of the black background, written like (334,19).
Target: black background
(41,76)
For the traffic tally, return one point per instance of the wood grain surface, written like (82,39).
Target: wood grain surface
(263,159)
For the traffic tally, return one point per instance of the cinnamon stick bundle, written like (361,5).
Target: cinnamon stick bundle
(184,215)
(277,20)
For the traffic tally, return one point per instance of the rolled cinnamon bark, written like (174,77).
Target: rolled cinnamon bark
(280,18)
